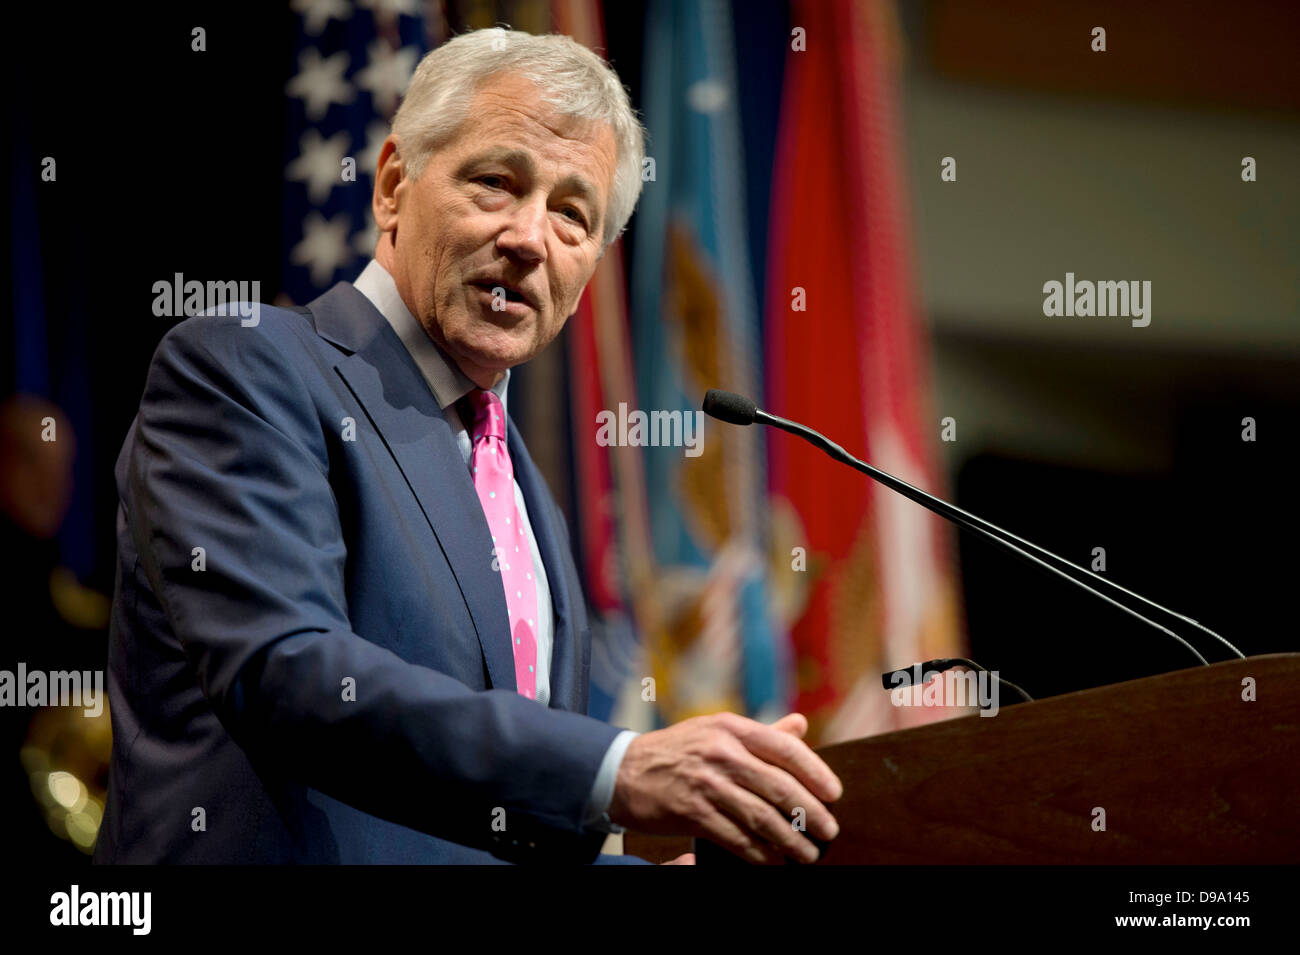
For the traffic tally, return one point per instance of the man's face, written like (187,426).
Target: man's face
(515,203)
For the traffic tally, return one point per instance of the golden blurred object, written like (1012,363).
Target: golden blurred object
(80,606)
(66,758)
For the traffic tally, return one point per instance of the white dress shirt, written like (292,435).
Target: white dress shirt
(449,384)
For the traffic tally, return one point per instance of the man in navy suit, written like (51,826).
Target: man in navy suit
(311,656)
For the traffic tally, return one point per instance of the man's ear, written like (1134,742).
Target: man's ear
(389,174)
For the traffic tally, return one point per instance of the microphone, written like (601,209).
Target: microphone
(737,409)
(728,407)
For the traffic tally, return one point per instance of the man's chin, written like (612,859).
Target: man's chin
(481,364)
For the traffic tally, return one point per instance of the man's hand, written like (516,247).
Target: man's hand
(731,780)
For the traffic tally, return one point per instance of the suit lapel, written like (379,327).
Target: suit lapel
(537,498)
(387,384)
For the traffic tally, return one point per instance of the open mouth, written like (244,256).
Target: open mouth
(498,288)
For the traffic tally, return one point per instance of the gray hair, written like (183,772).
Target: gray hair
(570,77)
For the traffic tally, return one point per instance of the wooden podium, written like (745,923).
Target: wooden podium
(1186,770)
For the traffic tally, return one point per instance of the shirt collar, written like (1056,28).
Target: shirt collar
(448,383)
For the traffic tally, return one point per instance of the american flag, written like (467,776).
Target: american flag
(351,63)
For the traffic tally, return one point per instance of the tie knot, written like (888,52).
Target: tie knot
(489,417)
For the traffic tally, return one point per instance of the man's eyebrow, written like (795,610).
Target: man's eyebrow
(515,158)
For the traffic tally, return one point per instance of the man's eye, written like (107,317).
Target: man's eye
(575,215)
(492,182)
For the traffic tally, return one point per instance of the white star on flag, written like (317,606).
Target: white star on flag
(320,164)
(319,82)
(324,246)
(316,13)
(386,74)
(392,8)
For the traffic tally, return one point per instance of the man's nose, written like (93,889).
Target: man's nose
(524,236)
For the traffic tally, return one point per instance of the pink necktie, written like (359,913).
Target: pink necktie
(494,480)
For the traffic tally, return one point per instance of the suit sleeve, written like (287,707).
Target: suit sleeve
(232,511)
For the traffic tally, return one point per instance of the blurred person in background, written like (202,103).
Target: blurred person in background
(51,623)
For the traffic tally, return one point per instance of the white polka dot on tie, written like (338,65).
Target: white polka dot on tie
(492,493)
(530,668)
(516,550)
(507,566)
(519,593)
(530,576)
(507,520)
(530,623)
(517,640)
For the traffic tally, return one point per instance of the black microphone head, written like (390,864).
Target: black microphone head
(729,407)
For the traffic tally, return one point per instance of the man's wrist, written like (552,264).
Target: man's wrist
(602,791)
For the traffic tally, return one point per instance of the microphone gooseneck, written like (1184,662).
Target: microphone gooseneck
(734,406)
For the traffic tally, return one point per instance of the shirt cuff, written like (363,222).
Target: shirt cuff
(602,791)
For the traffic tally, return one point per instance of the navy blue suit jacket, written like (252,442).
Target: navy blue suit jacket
(328,563)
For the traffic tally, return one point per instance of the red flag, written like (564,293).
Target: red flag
(846,352)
